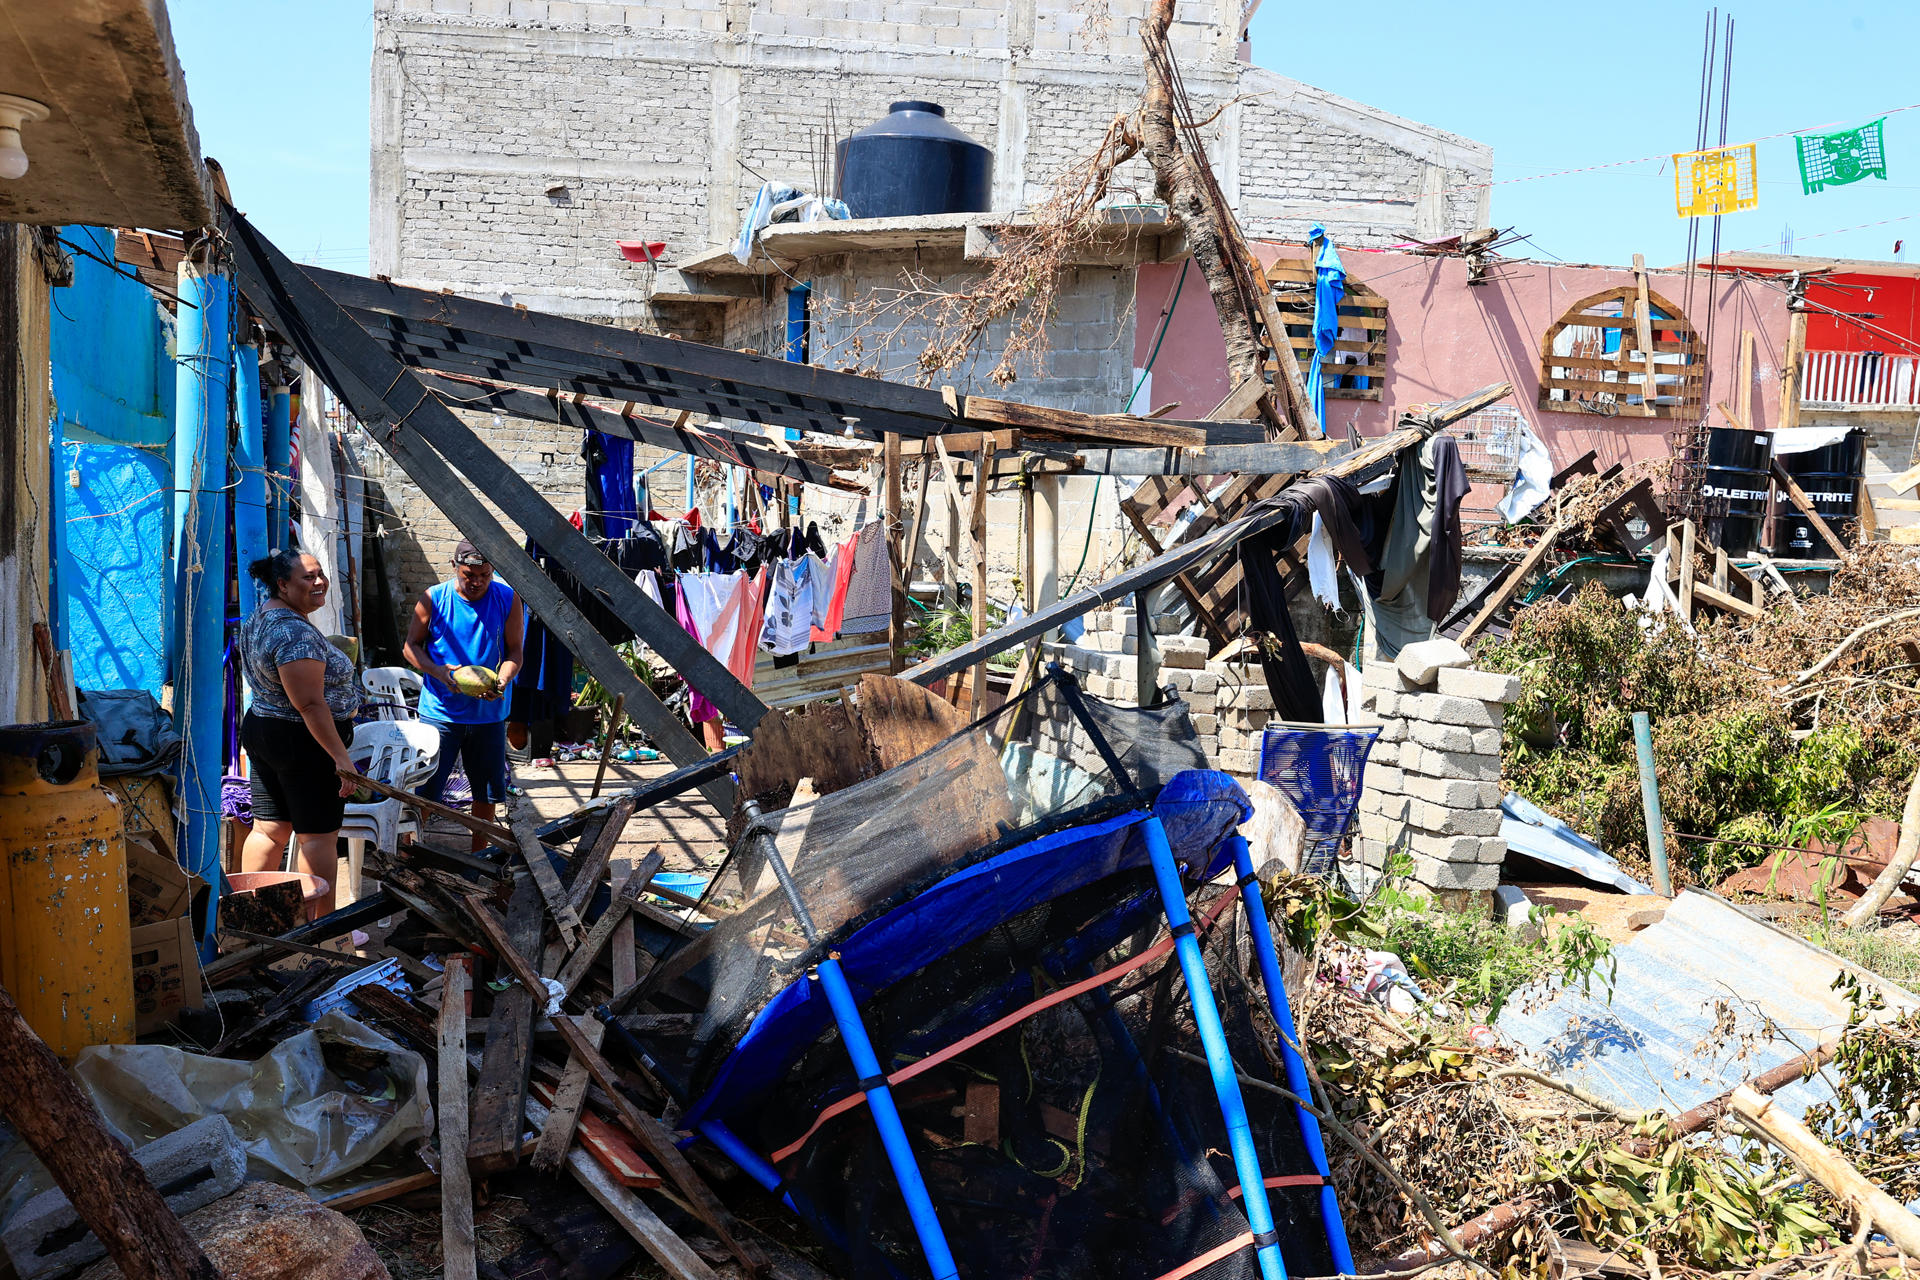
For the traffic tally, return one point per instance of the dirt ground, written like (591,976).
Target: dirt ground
(1615,916)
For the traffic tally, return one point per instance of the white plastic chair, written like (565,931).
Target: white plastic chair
(396,691)
(400,753)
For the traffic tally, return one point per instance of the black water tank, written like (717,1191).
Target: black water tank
(1735,487)
(913,162)
(1831,478)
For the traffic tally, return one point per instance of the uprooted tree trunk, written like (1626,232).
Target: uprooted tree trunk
(1176,183)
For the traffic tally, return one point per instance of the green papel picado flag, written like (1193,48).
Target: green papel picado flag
(1835,159)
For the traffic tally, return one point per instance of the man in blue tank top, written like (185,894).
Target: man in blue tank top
(468,621)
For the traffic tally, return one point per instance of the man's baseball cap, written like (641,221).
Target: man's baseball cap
(467,553)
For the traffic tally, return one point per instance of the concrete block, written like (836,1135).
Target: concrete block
(1378,826)
(1205,681)
(1204,725)
(1488,686)
(1470,765)
(1181,680)
(1387,753)
(1454,793)
(1444,848)
(1379,674)
(1513,908)
(1419,663)
(1393,731)
(1493,850)
(1387,778)
(1441,737)
(1436,874)
(1461,822)
(1438,708)
(1382,702)
(1250,697)
(1201,703)
(1187,652)
(1245,763)
(202,1162)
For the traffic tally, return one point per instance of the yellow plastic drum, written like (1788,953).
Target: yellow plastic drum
(67,955)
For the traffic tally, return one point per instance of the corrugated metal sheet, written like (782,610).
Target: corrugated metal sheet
(1647,1047)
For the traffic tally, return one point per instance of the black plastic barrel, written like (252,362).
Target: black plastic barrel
(913,162)
(1831,478)
(1735,487)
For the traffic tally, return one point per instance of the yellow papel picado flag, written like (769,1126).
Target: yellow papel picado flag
(1719,180)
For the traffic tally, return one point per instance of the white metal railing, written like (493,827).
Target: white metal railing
(1860,380)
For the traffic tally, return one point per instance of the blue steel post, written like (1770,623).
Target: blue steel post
(204,378)
(250,504)
(1261,930)
(279,450)
(1206,1019)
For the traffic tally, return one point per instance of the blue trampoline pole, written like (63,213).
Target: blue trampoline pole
(1226,1082)
(866,1068)
(1261,929)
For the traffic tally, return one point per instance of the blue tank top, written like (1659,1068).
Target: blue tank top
(464,633)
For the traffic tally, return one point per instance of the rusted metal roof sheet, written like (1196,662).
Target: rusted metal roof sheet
(1706,998)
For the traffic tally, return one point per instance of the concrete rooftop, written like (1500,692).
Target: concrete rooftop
(119,149)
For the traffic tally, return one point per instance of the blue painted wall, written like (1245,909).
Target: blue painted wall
(113,387)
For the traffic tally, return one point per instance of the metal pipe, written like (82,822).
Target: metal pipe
(250,503)
(866,1069)
(204,380)
(1650,803)
(1226,1081)
(278,442)
(1260,928)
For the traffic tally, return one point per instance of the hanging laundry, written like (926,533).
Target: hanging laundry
(611,505)
(698,708)
(1419,575)
(869,603)
(1532,479)
(820,574)
(726,608)
(789,609)
(840,574)
(1329,286)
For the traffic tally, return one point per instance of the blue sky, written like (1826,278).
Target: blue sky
(280,95)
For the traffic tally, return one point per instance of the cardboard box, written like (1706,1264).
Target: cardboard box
(166,974)
(158,888)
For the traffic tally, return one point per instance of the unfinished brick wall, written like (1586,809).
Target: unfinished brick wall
(659,119)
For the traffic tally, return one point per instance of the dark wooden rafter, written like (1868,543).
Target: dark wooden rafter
(416,429)
(715,443)
(1568,381)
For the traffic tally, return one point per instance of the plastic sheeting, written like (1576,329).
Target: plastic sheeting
(319,1105)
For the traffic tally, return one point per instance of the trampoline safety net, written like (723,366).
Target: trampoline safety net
(1046,760)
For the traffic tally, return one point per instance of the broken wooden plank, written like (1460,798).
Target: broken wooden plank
(1799,498)
(605,1142)
(589,868)
(637,1220)
(1719,599)
(534,854)
(456,1187)
(607,926)
(563,1105)
(493,1144)
(1033,419)
(492,831)
(653,1136)
(1498,600)
(1688,536)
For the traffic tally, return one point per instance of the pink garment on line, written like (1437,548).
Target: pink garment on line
(842,577)
(698,708)
(733,607)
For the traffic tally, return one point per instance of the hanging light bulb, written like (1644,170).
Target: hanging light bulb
(14,112)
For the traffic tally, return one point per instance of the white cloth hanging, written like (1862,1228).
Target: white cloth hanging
(1531,482)
(790,609)
(1323,574)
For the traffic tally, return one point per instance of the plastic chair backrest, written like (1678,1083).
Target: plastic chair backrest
(396,688)
(384,751)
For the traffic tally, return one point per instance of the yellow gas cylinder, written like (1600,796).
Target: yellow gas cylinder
(68,951)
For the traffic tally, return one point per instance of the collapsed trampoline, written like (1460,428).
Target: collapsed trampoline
(965,1020)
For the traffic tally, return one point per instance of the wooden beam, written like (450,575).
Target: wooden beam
(107,1187)
(456,1187)
(1498,600)
(1064,423)
(479,826)
(898,572)
(1793,368)
(673,1254)
(534,854)
(1643,329)
(1743,395)
(977,525)
(592,865)
(1725,601)
(629,892)
(653,1136)
(1686,567)
(315,325)
(1799,498)
(1281,458)
(498,1100)
(556,1135)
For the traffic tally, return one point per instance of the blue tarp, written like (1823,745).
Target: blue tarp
(1198,808)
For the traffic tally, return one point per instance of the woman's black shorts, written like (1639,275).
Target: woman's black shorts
(292,776)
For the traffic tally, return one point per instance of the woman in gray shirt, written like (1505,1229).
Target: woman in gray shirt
(297,729)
